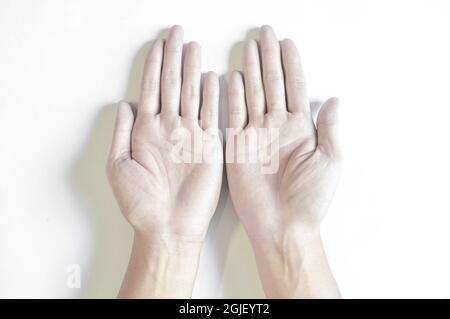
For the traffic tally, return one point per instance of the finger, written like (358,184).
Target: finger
(297,96)
(327,127)
(121,144)
(150,86)
(237,113)
(210,107)
(253,82)
(171,72)
(272,70)
(190,92)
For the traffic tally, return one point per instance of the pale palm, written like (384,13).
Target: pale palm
(158,192)
(299,192)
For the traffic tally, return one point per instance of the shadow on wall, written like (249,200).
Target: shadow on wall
(113,235)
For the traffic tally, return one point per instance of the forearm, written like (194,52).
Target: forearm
(295,267)
(160,268)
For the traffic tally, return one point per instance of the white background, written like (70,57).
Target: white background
(63,64)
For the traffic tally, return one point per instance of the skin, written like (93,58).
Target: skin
(282,211)
(168,203)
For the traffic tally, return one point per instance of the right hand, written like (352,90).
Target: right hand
(282,210)
(295,196)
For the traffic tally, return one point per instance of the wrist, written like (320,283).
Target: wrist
(285,260)
(286,244)
(150,243)
(161,267)
(281,237)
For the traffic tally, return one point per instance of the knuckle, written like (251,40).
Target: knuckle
(255,88)
(251,62)
(191,66)
(152,63)
(254,108)
(151,84)
(253,84)
(209,112)
(210,92)
(190,91)
(171,77)
(237,111)
(268,49)
(293,61)
(172,49)
(297,83)
(273,76)
(235,93)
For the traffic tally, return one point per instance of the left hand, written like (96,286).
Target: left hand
(160,196)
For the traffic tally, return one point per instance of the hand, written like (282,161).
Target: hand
(282,211)
(169,203)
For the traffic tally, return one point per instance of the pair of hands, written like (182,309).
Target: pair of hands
(170,204)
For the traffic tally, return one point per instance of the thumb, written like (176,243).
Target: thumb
(121,143)
(327,127)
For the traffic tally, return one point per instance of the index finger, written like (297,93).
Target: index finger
(297,96)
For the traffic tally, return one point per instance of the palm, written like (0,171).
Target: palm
(170,186)
(159,192)
(281,190)
(298,192)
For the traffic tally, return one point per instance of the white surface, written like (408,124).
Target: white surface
(64,63)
